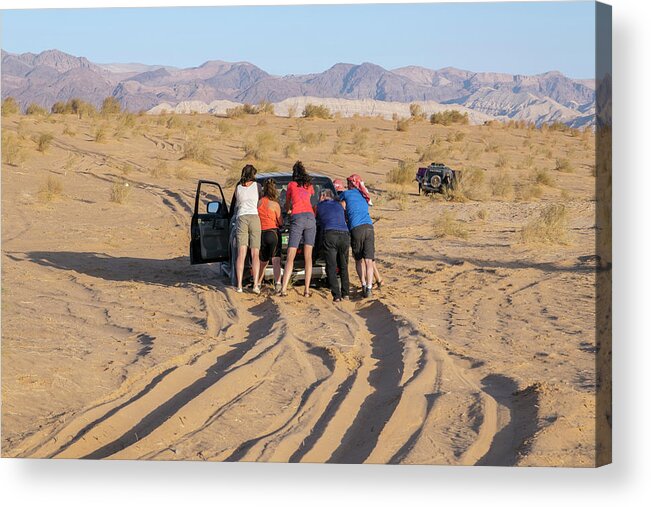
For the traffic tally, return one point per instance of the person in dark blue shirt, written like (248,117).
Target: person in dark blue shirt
(362,235)
(331,220)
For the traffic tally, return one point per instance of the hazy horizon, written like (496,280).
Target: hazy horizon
(282,40)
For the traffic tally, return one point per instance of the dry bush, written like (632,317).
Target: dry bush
(316,111)
(110,105)
(402,174)
(120,192)
(196,149)
(160,170)
(100,134)
(265,107)
(337,148)
(528,191)
(502,162)
(126,169)
(259,147)
(550,227)
(69,131)
(342,131)
(291,111)
(173,122)
(10,106)
(449,117)
(290,150)
(447,224)
(35,109)
(455,137)
(43,142)
(482,214)
(502,185)
(416,112)
(429,153)
(490,146)
(402,125)
(12,152)
(235,112)
(470,186)
(182,173)
(542,177)
(563,165)
(51,189)
(359,141)
(225,128)
(398,195)
(311,138)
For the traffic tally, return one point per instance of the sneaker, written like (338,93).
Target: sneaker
(239,290)
(337,300)
(278,287)
(367,293)
(346,297)
(256,289)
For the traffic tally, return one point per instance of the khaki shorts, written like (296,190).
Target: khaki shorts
(248,231)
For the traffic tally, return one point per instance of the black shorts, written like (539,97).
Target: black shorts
(362,242)
(271,245)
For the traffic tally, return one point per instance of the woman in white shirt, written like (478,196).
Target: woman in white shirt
(247,225)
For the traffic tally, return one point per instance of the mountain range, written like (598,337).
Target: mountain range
(53,75)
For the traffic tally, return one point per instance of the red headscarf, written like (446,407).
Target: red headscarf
(354,181)
(339,185)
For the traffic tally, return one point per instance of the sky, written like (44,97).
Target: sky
(516,38)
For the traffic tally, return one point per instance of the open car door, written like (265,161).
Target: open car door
(209,232)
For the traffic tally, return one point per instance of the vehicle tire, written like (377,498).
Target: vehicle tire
(435,181)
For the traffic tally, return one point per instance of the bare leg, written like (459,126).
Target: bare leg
(307,254)
(377,273)
(359,266)
(263,266)
(289,267)
(369,272)
(276,264)
(255,265)
(239,265)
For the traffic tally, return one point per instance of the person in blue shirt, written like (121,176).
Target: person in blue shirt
(331,221)
(362,234)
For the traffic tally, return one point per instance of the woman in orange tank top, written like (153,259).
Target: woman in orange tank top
(271,220)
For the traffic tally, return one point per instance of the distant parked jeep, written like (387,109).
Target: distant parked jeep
(436,178)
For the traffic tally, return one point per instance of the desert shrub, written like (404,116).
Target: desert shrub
(502,162)
(429,153)
(126,169)
(69,131)
(316,111)
(182,173)
(542,177)
(527,191)
(173,122)
(449,117)
(110,105)
(403,174)
(416,112)
(501,184)
(455,137)
(491,146)
(291,111)
(447,224)
(311,138)
(225,128)
(35,109)
(259,147)
(397,195)
(360,141)
(160,170)
(482,214)
(196,149)
(235,112)
(290,150)
(558,127)
(342,131)
(120,192)
(471,185)
(51,189)
(402,125)
(10,106)
(265,107)
(12,151)
(100,134)
(551,226)
(81,108)
(43,142)
(563,165)
(337,147)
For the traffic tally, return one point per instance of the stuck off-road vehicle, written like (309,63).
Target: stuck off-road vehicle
(436,177)
(212,232)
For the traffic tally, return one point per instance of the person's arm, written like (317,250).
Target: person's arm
(233,202)
(288,196)
(279,215)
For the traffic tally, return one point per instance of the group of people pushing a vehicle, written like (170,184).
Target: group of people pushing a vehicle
(342,218)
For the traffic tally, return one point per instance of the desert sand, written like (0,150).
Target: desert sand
(478,350)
